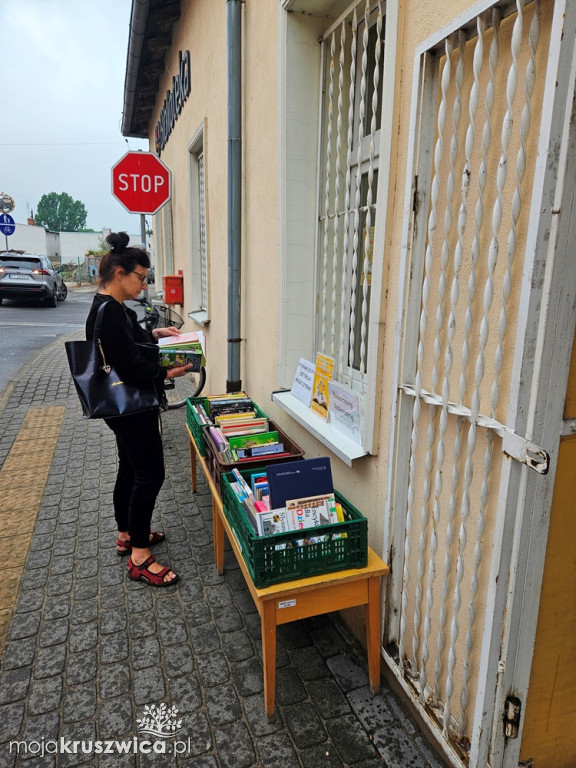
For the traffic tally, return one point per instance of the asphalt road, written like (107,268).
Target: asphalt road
(27,327)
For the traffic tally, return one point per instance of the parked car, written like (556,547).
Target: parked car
(27,276)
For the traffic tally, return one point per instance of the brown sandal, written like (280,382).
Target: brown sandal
(143,573)
(124,546)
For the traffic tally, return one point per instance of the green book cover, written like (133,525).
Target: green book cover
(249,441)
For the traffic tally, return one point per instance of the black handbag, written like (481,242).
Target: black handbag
(102,393)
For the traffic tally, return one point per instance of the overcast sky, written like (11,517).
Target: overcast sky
(63,67)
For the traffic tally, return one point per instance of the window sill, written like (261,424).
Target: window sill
(332,438)
(200,317)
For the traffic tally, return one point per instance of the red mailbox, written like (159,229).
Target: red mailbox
(174,289)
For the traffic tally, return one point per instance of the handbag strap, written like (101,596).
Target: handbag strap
(96,335)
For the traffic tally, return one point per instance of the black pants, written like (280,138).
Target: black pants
(140,473)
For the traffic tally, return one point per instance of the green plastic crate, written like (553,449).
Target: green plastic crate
(195,425)
(273,559)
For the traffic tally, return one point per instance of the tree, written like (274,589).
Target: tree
(60,213)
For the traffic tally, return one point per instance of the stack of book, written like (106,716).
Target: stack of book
(295,496)
(181,350)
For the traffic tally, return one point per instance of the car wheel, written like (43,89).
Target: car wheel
(53,300)
(0,301)
(63,292)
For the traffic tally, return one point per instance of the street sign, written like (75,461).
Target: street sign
(7,225)
(141,182)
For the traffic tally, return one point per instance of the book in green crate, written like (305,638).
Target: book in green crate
(249,441)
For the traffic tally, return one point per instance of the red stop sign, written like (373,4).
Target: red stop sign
(141,182)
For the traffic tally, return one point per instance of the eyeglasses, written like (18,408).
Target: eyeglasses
(143,278)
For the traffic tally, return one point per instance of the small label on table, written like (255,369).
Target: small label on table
(287,604)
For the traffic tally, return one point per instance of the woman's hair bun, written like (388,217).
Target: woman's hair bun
(118,240)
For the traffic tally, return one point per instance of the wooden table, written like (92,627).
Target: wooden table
(300,598)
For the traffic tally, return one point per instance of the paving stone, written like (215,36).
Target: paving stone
(44,695)
(24,625)
(178,660)
(223,705)
(309,663)
(112,620)
(396,747)
(328,640)
(114,680)
(41,727)
(148,686)
(348,672)
(14,684)
(324,756)
(204,639)
(57,608)
(213,669)
(11,719)
(53,632)
(50,661)
(328,698)
(20,653)
(81,667)
(114,648)
(289,687)
(173,631)
(115,718)
(237,646)
(228,619)
(350,739)
(83,637)
(247,676)
(234,746)
(256,716)
(304,724)
(276,751)
(199,738)
(185,693)
(79,703)
(373,711)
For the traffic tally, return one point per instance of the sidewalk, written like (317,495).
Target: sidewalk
(85,652)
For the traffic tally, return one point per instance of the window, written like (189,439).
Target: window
(350,131)
(199,249)
(329,262)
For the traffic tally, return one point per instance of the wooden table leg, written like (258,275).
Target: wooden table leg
(268,621)
(218,534)
(373,640)
(193,463)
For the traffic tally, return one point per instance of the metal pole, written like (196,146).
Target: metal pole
(234,29)
(143,240)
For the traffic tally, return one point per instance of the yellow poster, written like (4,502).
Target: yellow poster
(320,389)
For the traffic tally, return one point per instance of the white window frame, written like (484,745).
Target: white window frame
(300,71)
(199,311)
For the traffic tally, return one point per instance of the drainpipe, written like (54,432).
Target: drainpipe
(234,29)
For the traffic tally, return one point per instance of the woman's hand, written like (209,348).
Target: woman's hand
(160,333)
(180,370)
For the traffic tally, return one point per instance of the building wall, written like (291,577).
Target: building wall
(202,30)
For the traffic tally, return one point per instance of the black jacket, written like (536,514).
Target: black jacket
(124,342)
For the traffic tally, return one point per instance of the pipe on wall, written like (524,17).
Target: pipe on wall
(234,47)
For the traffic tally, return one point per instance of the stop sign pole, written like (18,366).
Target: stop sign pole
(143,184)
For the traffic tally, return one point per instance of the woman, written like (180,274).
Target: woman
(123,271)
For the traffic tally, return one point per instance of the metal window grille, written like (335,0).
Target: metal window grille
(350,143)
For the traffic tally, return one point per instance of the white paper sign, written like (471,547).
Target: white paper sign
(344,411)
(303,380)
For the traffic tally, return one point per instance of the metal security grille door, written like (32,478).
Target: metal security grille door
(462,465)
